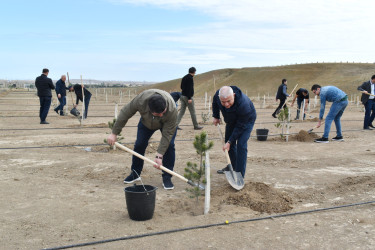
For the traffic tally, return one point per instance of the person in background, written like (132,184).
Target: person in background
(77,89)
(158,112)
(367,99)
(61,95)
(186,99)
(301,94)
(281,95)
(239,115)
(339,102)
(44,86)
(176,96)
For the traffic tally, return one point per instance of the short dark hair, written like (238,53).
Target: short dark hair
(45,70)
(157,103)
(192,70)
(373,77)
(315,87)
(283,81)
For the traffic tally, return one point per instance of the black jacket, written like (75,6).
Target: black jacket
(61,88)
(78,90)
(241,114)
(187,86)
(280,92)
(365,86)
(44,86)
(300,95)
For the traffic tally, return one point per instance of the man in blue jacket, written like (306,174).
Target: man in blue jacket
(339,102)
(44,86)
(239,115)
(61,94)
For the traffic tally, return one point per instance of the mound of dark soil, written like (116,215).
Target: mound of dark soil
(304,136)
(256,196)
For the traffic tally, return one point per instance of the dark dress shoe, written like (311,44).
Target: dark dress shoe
(44,122)
(368,128)
(371,126)
(221,171)
(198,128)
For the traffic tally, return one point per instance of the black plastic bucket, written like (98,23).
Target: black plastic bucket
(140,202)
(74,112)
(262,134)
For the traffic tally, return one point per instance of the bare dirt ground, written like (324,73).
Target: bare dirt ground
(54,196)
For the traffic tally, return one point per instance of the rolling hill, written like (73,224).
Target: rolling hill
(265,80)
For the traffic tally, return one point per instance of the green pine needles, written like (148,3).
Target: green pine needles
(283,120)
(194,172)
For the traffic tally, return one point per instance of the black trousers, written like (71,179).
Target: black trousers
(45,104)
(282,101)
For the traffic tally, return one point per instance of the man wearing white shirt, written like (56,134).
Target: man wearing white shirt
(368,94)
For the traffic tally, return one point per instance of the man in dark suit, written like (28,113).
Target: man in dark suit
(44,86)
(368,92)
(61,94)
(281,95)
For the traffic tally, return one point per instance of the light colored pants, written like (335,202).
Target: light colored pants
(184,103)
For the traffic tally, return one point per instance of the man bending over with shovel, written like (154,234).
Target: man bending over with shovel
(239,115)
(158,112)
(339,102)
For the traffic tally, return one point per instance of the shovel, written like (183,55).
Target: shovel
(310,130)
(234,178)
(161,167)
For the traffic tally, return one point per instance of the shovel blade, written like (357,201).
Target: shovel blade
(234,178)
(237,182)
(200,186)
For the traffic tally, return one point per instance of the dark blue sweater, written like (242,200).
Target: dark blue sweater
(61,88)
(241,114)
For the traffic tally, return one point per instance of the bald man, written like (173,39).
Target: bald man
(61,95)
(239,115)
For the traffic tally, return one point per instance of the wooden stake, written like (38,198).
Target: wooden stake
(207,194)
(205,100)
(214,84)
(303,109)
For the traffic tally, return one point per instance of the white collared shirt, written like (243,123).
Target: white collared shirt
(372,90)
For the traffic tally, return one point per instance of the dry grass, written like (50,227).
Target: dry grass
(264,80)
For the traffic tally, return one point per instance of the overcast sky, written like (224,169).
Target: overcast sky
(158,40)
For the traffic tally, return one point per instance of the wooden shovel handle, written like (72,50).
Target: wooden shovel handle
(222,140)
(369,94)
(289,95)
(227,156)
(150,161)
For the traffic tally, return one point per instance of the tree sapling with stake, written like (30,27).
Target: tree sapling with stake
(192,171)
